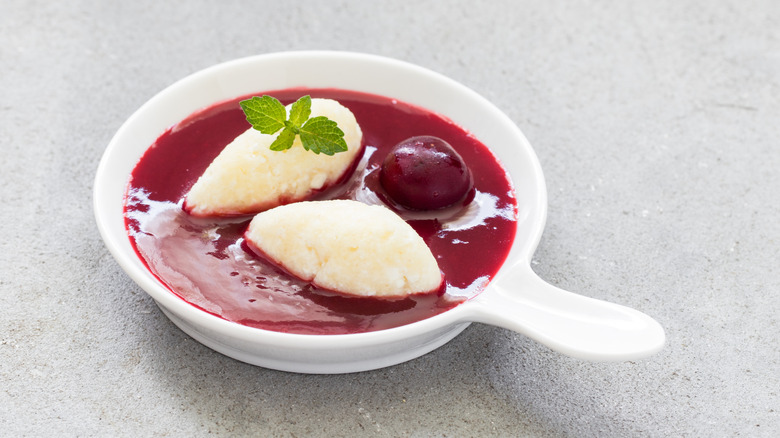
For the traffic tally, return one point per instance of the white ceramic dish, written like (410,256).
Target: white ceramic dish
(516,298)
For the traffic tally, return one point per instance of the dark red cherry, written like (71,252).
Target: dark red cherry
(425,173)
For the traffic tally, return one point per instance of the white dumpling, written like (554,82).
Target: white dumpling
(247,177)
(347,247)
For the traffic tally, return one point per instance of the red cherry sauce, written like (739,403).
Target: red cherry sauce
(207,263)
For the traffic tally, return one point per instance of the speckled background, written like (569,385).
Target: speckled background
(656,123)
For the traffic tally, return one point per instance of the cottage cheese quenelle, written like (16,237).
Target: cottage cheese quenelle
(247,177)
(346,246)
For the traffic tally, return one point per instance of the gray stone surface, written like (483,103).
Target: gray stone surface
(656,123)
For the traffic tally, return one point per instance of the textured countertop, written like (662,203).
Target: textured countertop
(656,123)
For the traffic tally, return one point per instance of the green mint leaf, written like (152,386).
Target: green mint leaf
(300,111)
(318,134)
(266,114)
(284,140)
(322,135)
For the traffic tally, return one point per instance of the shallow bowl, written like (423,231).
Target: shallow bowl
(515,299)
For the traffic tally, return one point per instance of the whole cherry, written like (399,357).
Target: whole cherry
(425,173)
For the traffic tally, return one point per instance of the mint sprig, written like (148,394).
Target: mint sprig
(318,134)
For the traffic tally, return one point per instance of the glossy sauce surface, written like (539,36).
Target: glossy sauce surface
(206,261)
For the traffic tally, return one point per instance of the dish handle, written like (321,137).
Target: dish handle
(572,324)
